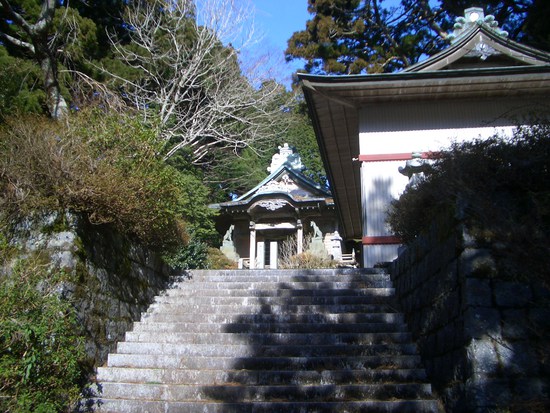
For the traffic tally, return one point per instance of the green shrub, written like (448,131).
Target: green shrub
(41,351)
(107,166)
(21,86)
(216,260)
(499,188)
(188,257)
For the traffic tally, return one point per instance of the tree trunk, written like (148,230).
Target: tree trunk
(39,44)
(57,106)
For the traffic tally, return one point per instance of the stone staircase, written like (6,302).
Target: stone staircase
(252,341)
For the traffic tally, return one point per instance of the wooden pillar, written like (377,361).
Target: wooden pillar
(252,255)
(260,255)
(273,254)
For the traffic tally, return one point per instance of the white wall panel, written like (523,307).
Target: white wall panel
(382,183)
(406,127)
(437,115)
(376,254)
(409,141)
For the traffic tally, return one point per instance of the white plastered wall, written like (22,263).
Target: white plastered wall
(418,127)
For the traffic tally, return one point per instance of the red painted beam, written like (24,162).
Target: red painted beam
(381,240)
(382,157)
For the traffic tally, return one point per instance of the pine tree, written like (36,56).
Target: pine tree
(369,36)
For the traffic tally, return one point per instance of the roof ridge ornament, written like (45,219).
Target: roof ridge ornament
(286,155)
(473,17)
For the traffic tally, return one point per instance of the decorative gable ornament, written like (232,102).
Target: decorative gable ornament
(482,83)
(477,42)
(473,17)
(278,214)
(285,184)
(272,205)
(286,155)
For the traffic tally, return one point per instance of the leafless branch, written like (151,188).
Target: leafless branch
(17,42)
(191,81)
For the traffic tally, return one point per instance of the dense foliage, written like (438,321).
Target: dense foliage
(63,39)
(107,166)
(41,351)
(499,188)
(368,36)
(18,86)
(95,122)
(216,118)
(238,173)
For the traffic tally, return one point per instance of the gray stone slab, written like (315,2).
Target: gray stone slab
(480,322)
(272,338)
(512,294)
(184,307)
(245,301)
(371,406)
(269,328)
(259,377)
(282,292)
(478,292)
(263,363)
(253,283)
(239,393)
(292,341)
(316,318)
(279,350)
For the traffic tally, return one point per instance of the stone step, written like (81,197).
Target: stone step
(379,297)
(278,283)
(258,377)
(289,280)
(240,393)
(183,307)
(173,361)
(320,273)
(272,338)
(348,318)
(280,350)
(370,406)
(288,292)
(269,341)
(162,327)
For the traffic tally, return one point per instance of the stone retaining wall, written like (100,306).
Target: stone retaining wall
(484,340)
(115,280)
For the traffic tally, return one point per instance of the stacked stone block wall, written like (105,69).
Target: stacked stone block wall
(114,279)
(483,338)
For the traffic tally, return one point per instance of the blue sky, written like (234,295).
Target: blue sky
(278,20)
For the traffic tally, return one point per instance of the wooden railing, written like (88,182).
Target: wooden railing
(348,260)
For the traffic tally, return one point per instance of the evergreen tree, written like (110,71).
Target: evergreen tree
(234,173)
(367,36)
(63,40)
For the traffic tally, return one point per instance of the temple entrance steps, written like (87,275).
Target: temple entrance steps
(250,341)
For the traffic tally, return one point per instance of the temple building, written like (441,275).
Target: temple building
(285,210)
(369,126)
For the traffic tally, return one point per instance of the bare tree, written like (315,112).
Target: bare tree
(190,80)
(36,39)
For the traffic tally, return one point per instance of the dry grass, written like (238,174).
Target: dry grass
(104,166)
(289,259)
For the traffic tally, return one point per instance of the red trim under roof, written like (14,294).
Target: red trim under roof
(381,157)
(382,240)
